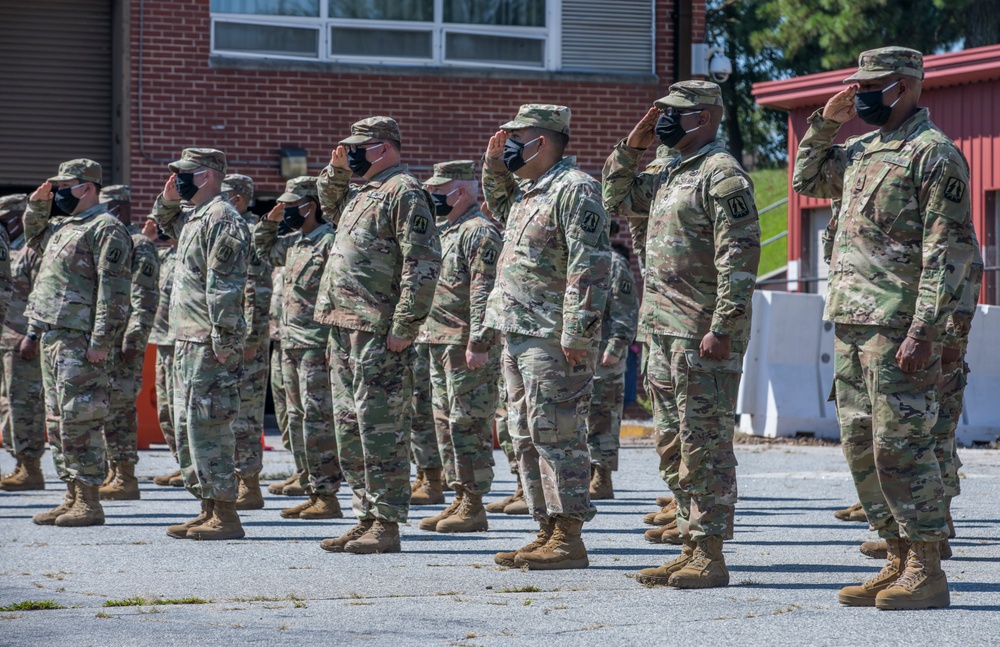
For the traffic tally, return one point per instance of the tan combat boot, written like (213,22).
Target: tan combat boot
(418,482)
(224,524)
(663,501)
(336,544)
(27,476)
(431,523)
(110,476)
(564,550)
(278,488)
(382,537)
(545,529)
(498,506)
(86,510)
(668,534)
(863,595)
(922,585)
(164,481)
(661,517)
(470,517)
(177,481)
(17,468)
(249,496)
(325,506)
(49,517)
(519,504)
(123,487)
(295,488)
(660,575)
(601,488)
(180,530)
(853,513)
(707,568)
(431,491)
(876,549)
(296,511)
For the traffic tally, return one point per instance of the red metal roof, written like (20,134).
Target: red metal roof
(940,70)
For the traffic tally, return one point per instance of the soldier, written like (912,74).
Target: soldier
(604,422)
(702,250)
(249,423)
(22,405)
(464,354)
(375,292)
(900,258)
(428,487)
(208,326)
(121,427)
(75,312)
(305,369)
(549,298)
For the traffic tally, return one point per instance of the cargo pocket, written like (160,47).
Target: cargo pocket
(712,385)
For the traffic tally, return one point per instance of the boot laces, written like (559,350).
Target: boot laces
(910,576)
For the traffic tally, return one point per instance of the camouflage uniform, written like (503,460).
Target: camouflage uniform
(79,301)
(550,293)
(305,370)
(277,383)
(702,251)
(379,279)
(160,336)
(617,331)
(424,450)
(900,257)
(206,316)
(465,400)
(500,420)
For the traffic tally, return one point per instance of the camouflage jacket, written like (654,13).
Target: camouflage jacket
(24,270)
(257,299)
(277,297)
(160,334)
(303,257)
(6,290)
(621,314)
(83,283)
(703,244)
(470,247)
(638,224)
(143,294)
(553,276)
(210,274)
(902,249)
(384,264)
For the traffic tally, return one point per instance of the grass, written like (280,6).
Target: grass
(521,589)
(770,186)
(32,605)
(142,602)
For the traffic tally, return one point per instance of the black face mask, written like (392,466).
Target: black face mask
(283,228)
(162,235)
(293,217)
(871,108)
(513,154)
(358,161)
(186,186)
(441,206)
(669,130)
(66,201)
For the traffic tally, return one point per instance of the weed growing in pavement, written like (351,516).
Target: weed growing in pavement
(33,605)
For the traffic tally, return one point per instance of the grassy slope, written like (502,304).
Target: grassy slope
(771,185)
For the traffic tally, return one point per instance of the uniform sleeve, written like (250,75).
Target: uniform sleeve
(622,311)
(268,245)
(830,233)
(257,298)
(737,249)
(621,186)
(819,165)
(225,284)
(36,223)
(499,189)
(6,280)
(113,260)
(588,259)
(333,186)
(169,216)
(144,296)
(947,247)
(960,324)
(421,252)
(482,255)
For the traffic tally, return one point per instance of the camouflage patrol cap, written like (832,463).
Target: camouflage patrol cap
(193,159)
(117,192)
(691,94)
(78,169)
(300,187)
(13,202)
(373,128)
(241,184)
(881,62)
(446,172)
(537,115)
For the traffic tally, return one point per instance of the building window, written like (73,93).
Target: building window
(515,34)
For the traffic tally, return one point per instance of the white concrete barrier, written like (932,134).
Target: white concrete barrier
(981,416)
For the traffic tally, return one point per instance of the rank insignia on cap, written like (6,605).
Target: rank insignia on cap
(954,189)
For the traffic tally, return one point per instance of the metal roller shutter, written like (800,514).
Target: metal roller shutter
(607,36)
(55,74)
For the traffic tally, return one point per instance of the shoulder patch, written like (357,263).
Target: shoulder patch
(3,253)
(490,256)
(590,221)
(626,286)
(954,189)
(737,206)
(147,270)
(419,223)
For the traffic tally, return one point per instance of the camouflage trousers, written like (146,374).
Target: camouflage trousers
(424,450)
(22,405)
(306,375)
(165,395)
(278,394)
(249,423)
(206,401)
(549,401)
(694,401)
(887,419)
(500,422)
(465,402)
(76,404)
(372,391)
(604,422)
(950,390)
(121,427)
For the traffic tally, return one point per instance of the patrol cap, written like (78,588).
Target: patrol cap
(78,169)
(193,159)
(241,184)
(117,192)
(300,187)
(538,115)
(881,62)
(373,128)
(446,172)
(691,94)
(13,202)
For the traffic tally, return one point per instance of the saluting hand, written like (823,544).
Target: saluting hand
(149,230)
(338,158)
(494,150)
(277,213)
(840,107)
(170,189)
(644,132)
(43,192)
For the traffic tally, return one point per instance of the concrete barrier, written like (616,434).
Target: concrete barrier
(981,416)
